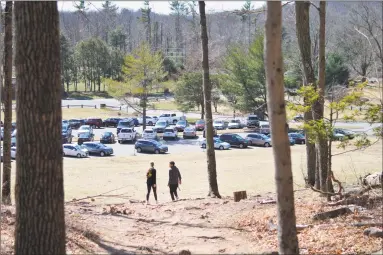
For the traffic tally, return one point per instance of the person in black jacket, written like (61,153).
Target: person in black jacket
(151,178)
(174,180)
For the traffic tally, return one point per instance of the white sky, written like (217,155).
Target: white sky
(157,6)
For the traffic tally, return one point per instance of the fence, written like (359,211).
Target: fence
(101,106)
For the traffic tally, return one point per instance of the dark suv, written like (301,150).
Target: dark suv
(94,122)
(150,146)
(252,121)
(66,134)
(234,140)
(125,123)
(111,122)
(76,123)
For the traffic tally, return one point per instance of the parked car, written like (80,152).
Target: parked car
(160,126)
(66,134)
(204,132)
(259,139)
(170,132)
(94,122)
(95,148)
(74,151)
(220,124)
(181,125)
(298,138)
(295,130)
(171,118)
(200,125)
(84,129)
(151,121)
(136,123)
(149,134)
(107,137)
(291,140)
(13,126)
(190,132)
(76,123)
(85,137)
(235,124)
(234,140)
(124,123)
(348,133)
(143,145)
(218,144)
(264,129)
(298,117)
(13,138)
(252,121)
(13,152)
(338,137)
(127,135)
(111,122)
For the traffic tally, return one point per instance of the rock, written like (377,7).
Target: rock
(221,250)
(225,202)
(185,252)
(332,214)
(373,232)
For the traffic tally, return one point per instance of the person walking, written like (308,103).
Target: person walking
(151,179)
(174,180)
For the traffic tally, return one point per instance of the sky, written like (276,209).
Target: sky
(157,6)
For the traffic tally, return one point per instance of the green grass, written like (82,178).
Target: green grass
(165,105)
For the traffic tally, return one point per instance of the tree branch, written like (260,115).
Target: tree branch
(356,149)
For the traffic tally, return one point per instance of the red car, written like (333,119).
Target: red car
(94,122)
(200,125)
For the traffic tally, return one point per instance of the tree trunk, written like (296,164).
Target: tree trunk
(202,110)
(6,189)
(40,222)
(304,42)
(319,106)
(211,163)
(287,233)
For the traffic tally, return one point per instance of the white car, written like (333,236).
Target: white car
(149,120)
(190,132)
(218,144)
(171,118)
(13,137)
(74,151)
(219,124)
(13,152)
(235,124)
(170,132)
(149,134)
(85,129)
(127,135)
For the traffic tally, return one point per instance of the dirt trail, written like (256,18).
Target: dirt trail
(201,226)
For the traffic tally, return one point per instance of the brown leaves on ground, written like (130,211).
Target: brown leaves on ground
(330,236)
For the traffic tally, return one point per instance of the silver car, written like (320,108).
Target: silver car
(220,124)
(259,139)
(190,132)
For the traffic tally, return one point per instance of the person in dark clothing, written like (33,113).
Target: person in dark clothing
(151,178)
(174,180)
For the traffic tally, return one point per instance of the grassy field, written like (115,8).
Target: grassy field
(248,169)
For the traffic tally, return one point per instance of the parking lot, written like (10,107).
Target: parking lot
(178,146)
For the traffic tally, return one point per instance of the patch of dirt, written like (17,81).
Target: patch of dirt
(213,226)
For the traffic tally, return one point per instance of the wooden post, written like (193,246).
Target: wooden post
(239,195)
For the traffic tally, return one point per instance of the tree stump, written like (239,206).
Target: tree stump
(239,195)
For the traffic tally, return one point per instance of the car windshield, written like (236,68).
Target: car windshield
(78,147)
(252,118)
(148,131)
(218,122)
(263,136)
(169,130)
(200,122)
(101,145)
(181,122)
(161,123)
(189,129)
(84,128)
(217,140)
(84,135)
(238,137)
(107,134)
(234,121)
(126,131)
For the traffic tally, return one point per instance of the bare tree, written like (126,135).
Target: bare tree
(40,222)
(304,42)
(7,96)
(210,153)
(287,233)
